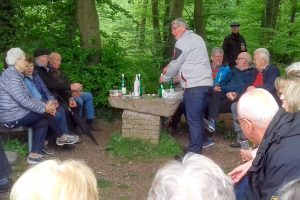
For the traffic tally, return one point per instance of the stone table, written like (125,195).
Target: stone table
(141,116)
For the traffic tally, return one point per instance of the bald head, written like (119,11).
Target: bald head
(55,60)
(256,108)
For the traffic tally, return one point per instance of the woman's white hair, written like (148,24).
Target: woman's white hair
(258,106)
(195,178)
(52,179)
(13,55)
(293,67)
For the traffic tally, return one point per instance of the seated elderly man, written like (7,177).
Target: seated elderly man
(196,177)
(18,108)
(266,74)
(277,133)
(237,81)
(83,99)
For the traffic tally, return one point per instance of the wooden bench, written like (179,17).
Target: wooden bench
(19,129)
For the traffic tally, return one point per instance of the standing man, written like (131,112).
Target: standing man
(190,61)
(233,45)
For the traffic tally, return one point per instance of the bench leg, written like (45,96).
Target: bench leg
(30,139)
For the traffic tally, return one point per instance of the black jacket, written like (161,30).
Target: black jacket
(278,157)
(232,48)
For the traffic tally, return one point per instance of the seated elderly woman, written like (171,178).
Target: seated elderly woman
(52,179)
(19,108)
(58,123)
(196,177)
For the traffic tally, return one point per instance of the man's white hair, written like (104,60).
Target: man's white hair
(293,67)
(196,178)
(180,22)
(13,55)
(258,106)
(264,53)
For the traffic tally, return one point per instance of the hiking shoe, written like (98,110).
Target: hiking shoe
(208,143)
(209,125)
(48,149)
(6,187)
(35,160)
(68,139)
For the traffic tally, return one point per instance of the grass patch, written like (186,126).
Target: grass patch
(103,183)
(16,145)
(137,148)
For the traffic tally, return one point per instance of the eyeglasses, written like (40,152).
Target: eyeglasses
(175,27)
(240,58)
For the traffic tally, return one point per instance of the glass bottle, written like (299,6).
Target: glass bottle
(172,85)
(161,89)
(123,86)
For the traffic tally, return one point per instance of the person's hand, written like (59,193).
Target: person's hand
(165,69)
(50,108)
(246,155)
(76,93)
(239,172)
(217,88)
(161,79)
(231,95)
(72,103)
(76,86)
(176,79)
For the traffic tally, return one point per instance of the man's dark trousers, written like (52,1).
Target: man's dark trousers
(194,101)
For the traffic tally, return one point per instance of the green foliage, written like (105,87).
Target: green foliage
(133,148)
(16,145)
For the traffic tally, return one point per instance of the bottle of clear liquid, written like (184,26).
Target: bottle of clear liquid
(136,86)
(161,89)
(123,86)
(140,85)
(172,85)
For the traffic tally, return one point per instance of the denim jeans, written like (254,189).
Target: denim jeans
(86,100)
(58,124)
(241,188)
(39,124)
(194,100)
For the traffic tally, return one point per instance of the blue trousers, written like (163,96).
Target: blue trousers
(39,124)
(58,124)
(194,100)
(86,100)
(241,187)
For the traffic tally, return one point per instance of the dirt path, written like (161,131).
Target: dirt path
(121,179)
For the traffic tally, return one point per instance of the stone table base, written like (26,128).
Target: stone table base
(140,125)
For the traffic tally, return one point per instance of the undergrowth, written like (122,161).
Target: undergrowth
(16,145)
(137,148)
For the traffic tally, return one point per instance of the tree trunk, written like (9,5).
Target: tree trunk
(167,21)
(199,19)
(156,29)
(176,9)
(88,23)
(269,19)
(293,15)
(8,26)
(142,29)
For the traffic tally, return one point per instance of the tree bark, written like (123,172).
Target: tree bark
(176,9)
(156,29)
(199,19)
(270,19)
(88,23)
(142,29)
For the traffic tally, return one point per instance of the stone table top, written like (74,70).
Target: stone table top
(147,105)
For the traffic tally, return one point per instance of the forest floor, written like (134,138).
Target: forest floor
(123,179)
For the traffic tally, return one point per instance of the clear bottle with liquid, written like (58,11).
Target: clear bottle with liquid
(136,86)
(140,85)
(123,86)
(172,85)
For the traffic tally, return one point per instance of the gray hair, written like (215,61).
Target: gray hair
(180,22)
(248,58)
(290,191)
(196,177)
(13,55)
(217,50)
(258,106)
(293,67)
(264,53)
